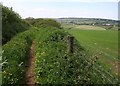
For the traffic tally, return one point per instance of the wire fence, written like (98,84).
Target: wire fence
(91,69)
(98,72)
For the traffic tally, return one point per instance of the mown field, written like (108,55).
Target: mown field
(83,27)
(103,43)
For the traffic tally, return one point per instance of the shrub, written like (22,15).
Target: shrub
(15,56)
(43,22)
(11,24)
(53,65)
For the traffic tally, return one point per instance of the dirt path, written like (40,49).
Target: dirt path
(29,76)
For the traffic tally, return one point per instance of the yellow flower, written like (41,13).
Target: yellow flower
(10,74)
(42,53)
(12,80)
(4,76)
(4,71)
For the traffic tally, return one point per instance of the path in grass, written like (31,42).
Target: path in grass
(30,76)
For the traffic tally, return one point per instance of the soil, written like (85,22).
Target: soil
(30,75)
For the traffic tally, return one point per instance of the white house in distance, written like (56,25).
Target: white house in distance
(107,24)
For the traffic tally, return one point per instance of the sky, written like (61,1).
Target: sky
(107,9)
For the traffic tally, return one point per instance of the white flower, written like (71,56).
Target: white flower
(20,64)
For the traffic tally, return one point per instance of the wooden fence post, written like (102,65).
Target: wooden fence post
(70,44)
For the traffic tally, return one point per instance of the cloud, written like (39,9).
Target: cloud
(35,8)
(22,1)
(50,12)
(54,13)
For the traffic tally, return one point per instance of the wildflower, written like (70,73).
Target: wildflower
(4,71)
(42,53)
(20,64)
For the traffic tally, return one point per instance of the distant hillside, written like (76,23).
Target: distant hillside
(89,21)
(106,23)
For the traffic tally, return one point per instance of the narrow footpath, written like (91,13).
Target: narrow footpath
(30,76)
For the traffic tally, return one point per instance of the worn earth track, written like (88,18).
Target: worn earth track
(30,76)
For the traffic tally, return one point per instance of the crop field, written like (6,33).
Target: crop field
(103,43)
(83,27)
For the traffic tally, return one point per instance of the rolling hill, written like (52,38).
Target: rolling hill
(104,23)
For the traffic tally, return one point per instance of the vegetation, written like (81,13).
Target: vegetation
(100,42)
(103,39)
(11,24)
(83,27)
(0,65)
(43,22)
(104,23)
(15,56)
(53,64)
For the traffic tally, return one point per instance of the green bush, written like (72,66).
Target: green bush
(43,22)
(15,56)
(11,24)
(53,65)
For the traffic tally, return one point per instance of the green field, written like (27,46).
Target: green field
(83,27)
(103,43)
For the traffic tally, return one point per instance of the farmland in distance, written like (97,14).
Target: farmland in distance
(98,41)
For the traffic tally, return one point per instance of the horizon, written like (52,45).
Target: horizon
(70,17)
(65,9)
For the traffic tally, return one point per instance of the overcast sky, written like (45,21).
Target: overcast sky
(64,8)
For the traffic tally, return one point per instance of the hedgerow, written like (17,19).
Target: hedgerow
(15,56)
(53,64)
(12,24)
